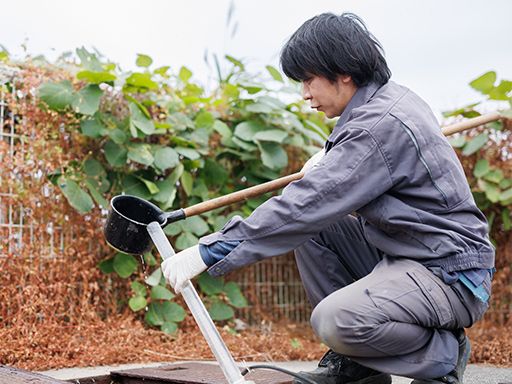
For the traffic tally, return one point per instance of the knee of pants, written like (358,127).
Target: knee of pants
(341,329)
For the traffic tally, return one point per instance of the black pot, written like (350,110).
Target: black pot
(125,229)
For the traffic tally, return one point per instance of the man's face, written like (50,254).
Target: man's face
(329,97)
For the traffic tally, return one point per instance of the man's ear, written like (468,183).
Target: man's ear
(345,79)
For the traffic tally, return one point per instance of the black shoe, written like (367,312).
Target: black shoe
(334,368)
(455,376)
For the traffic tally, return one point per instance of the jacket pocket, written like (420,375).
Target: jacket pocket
(442,168)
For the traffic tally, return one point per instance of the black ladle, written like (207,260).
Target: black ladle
(125,229)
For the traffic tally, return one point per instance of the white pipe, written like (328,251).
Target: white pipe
(201,315)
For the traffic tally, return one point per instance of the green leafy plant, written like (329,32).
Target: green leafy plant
(221,298)
(491,180)
(161,136)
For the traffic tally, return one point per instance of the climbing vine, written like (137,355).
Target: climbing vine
(159,135)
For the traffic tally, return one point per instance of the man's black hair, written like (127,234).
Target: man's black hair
(328,45)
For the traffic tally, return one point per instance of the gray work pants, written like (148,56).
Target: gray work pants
(390,314)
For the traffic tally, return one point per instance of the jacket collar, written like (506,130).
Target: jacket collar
(362,96)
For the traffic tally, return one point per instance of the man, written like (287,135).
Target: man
(392,250)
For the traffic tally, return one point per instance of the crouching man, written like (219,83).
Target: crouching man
(392,250)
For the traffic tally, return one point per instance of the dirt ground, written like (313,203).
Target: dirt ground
(126,340)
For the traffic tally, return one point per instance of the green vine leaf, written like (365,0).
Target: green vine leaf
(166,157)
(171,311)
(142,81)
(484,83)
(275,135)
(76,196)
(169,328)
(247,129)
(492,191)
(494,176)
(186,240)
(96,77)
(273,155)
(195,225)
(210,285)
(87,100)
(457,142)
(140,153)
(481,168)
(92,128)
(276,75)
(152,187)
(124,265)
(475,144)
(107,266)
(134,186)
(155,277)
(143,60)
(235,296)
(89,60)
(96,195)
(187,182)
(220,311)
(506,195)
(185,74)
(153,316)
(137,303)
(115,154)
(189,153)
(140,121)
(138,288)
(58,96)
(161,293)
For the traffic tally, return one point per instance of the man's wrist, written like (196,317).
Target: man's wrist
(215,252)
(208,259)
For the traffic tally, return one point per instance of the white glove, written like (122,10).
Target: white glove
(313,160)
(182,267)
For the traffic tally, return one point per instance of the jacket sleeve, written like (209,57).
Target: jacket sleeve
(350,175)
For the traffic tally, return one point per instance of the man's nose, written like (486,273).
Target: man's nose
(306,94)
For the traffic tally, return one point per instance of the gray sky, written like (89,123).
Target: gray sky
(434,47)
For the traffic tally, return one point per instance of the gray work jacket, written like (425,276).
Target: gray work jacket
(388,161)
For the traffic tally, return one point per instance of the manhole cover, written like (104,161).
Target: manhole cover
(190,373)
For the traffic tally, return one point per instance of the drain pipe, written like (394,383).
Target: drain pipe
(201,315)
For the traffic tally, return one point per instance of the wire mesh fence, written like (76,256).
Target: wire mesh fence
(12,225)
(16,230)
(274,289)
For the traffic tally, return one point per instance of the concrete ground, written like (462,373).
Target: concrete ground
(475,374)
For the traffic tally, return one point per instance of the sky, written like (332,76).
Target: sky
(434,47)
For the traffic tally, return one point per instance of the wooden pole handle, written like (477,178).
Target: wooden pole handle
(470,123)
(241,195)
(282,182)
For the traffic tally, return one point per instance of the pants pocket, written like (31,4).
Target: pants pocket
(435,295)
